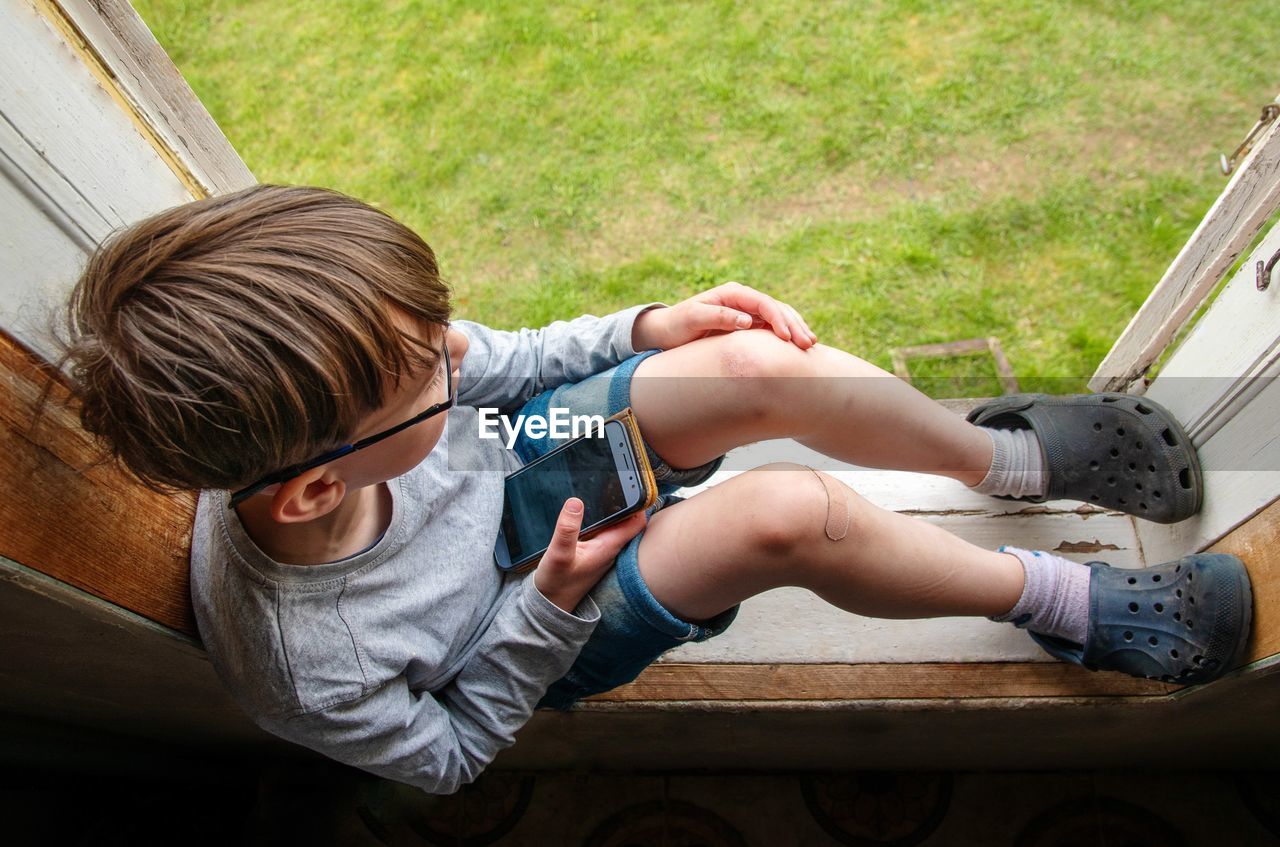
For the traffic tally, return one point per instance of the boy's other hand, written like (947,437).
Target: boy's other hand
(571,566)
(725,308)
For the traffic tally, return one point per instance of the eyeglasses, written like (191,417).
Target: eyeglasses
(292,471)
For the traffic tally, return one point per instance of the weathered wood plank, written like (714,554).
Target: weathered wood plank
(84,522)
(118,47)
(1251,196)
(1014,733)
(1229,355)
(884,681)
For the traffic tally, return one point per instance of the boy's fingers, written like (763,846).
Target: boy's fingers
(713,317)
(564,540)
(609,541)
(782,318)
(778,317)
(802,328)
(632,527)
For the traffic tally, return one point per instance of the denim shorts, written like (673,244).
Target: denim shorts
(634,628)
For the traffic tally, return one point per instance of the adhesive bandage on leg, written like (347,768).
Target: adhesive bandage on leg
(839,512)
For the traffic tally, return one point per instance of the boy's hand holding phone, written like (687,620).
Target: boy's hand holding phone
(570,567)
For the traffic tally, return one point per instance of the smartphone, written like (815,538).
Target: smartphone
(608,472)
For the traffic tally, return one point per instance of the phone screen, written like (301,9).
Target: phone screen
(585,469)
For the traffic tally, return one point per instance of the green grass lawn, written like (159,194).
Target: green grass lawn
(901,172)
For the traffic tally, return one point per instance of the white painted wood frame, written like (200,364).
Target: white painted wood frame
(1250,198)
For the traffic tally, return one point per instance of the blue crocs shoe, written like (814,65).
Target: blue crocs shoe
(1183,622)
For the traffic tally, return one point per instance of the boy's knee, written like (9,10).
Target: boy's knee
(759,353)
(806,507)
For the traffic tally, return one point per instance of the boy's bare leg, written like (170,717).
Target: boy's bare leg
(774,526)
(700,400)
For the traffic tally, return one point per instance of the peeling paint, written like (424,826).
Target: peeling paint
(1094,546)
(1084,511)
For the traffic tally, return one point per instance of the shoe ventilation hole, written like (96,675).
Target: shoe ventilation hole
(1169,438)
(1177,616)
(1178,592)
(1197,659)
(1137,445)
(1133,580)
(1123,502)
(1133,607)
(1191,624)
(1093,497)
(1128,636)
(1159,607)
(1097,427)
(1177,568)
(1111,480)
(1173,654)
(1142,410)
(1093,466)
(1151,468)
(1153,641)
(1184,478)
(1191,600)
(1108,399)
(1114,452)
(1137,486)
(1155,577)
(1119,430)
(1142,506)
(1191,577)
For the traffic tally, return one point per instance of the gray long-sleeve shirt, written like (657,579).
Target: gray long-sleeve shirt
(415,659)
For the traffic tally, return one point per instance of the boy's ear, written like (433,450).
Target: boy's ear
(309,495)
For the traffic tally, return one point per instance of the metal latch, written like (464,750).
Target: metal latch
(1269,113)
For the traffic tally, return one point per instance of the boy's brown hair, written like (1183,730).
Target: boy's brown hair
(228,338)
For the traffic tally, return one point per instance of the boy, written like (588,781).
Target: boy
(289,351)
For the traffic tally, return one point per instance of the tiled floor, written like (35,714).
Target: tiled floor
(319,804)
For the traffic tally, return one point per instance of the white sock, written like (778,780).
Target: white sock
(1017,464)
(1055,596)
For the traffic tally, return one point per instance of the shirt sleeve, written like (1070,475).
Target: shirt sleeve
(504,369)
(442,741)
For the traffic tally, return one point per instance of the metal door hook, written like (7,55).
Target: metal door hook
(1264,270)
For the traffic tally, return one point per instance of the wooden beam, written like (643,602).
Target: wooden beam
(72,516)
(922,681)
(1257,543)
(1233,729)
(1227,229)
